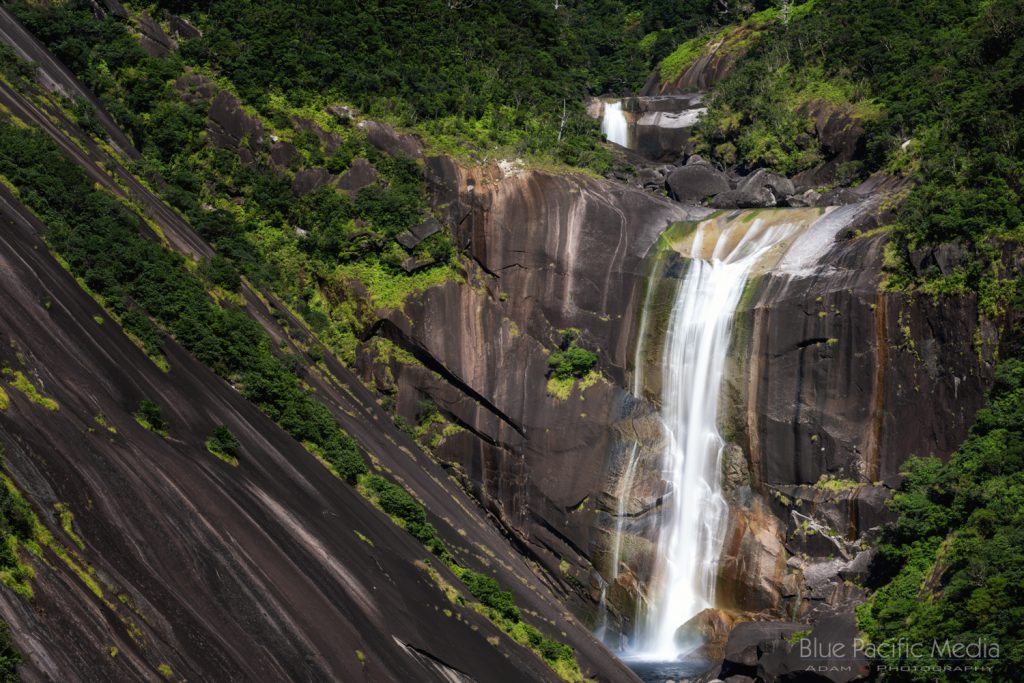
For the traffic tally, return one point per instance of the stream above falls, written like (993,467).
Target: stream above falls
(655,127)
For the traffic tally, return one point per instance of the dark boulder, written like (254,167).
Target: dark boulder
(840,134)
(411,238)
(309,179)
(805,199)
(359,175)
(282,154)
(388,140)
(945,258)
(412,264)
(858,569)
(182,29)
(696,182)
(744,647)
(757,198)
(779,185)
(229,127)
(155,40)
(839,131)
(116,8)
(776,651)
(329,141)
(826,654)
(195,87)
(649,177)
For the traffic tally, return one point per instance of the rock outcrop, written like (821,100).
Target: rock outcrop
(549,253)
(836,370)
(229,127)
(825,653)
(824,378)
(155,40)
(696,182)
(177,562)
(361,174)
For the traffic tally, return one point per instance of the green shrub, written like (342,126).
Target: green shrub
(9,656)
(86,119)
(573,362)
(16,515)
(223,442)
(397,502)
(221,272)
(149,416)
(487,590)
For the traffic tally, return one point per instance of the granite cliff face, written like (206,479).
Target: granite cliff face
(826,377)
(549,252)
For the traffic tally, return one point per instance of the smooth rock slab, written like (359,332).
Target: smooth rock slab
(696,183)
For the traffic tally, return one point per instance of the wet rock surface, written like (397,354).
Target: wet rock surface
(836,370)
(780,651)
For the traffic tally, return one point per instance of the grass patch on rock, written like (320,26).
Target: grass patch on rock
(19,381)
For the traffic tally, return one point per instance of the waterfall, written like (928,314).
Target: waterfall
(723,253)
(614,124)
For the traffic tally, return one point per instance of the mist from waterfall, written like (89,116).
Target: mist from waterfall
(693,365)
(614,124)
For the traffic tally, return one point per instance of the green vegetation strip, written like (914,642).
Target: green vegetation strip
(102,243)
(953,564)
(496,604)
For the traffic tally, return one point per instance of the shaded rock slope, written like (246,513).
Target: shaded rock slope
(167,559)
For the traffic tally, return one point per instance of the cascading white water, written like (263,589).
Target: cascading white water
(614,124)
(693,364)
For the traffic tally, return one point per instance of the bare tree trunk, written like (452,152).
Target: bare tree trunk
(561,126)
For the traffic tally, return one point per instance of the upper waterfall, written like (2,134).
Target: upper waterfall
(614,124)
